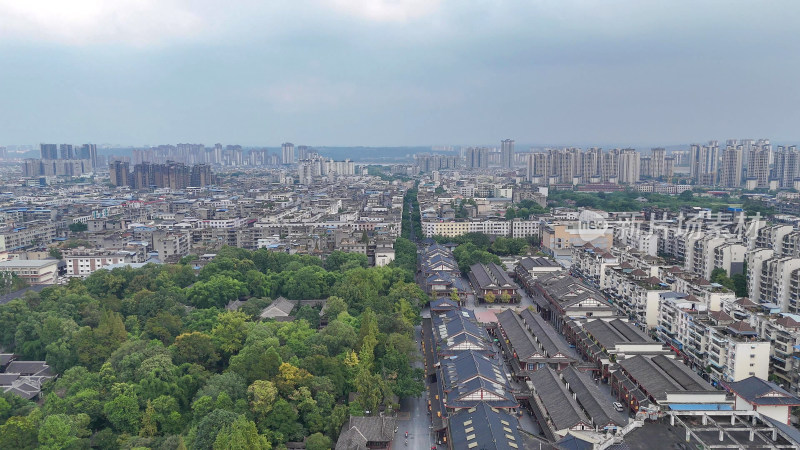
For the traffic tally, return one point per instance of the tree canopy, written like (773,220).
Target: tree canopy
(151,358)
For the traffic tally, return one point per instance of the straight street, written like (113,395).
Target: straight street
(413,416)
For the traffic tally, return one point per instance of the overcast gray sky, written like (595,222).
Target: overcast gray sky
(398,72)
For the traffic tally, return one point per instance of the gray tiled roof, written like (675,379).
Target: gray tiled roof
(613,332)
(547,336)
(563,410)
(593,401)
(659,375)
(281,307)
(759,392)
(521,341)
(374,428)
(470,365)
(26,367)
(530,263)
(5,358)
(491,276)
(484,427)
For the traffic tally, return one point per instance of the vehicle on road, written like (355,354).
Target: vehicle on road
(618,406)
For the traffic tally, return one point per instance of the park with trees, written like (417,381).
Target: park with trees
(151,358)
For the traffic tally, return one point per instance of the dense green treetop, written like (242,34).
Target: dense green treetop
(150,357)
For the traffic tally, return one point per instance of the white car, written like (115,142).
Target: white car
(618,406)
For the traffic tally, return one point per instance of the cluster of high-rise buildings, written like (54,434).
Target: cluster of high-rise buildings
(228,155)
(745,163)
(314,167)
(171,175)
(593,166)
(470,157)
(742,164)
(62,160)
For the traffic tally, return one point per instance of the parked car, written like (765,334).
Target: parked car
(618,406)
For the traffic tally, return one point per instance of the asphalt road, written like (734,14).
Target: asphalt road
(413,416)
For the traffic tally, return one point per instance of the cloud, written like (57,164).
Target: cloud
(142,23)
(386,10)
(78,22)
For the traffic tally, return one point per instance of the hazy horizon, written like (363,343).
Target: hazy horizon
(392,73)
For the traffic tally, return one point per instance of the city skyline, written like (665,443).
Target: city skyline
(386,73)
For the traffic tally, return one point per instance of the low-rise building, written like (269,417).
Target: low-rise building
(565,298)
(34,271)
(493,279)
(769,399)
(607,341)
(530,344)
(642,381)
(84,262)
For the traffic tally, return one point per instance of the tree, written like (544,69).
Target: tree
(283,420)
(342,261)
(242,434)
(216,292)
(56,432)
(262,395)
(489,297)
(204,436)
(230,332)
(232,384)
(720,276)
(740,284)
(164,327)
(87,401)
(334,306)
(686,196)
(55,253)
(94,346)
(122,411)
(149,427)
(289,377)
(338,337)
(21,432)
(257,361)
(78,227)
(318,441)
(195,348)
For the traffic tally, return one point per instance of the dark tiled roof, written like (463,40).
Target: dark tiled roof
(5,358)
(593,401)
(610,333)
(545,334)
(491,275)
(521,341)
(564,412)
(745,302)
(493,394)
(281,307)
(443,304)
(531,263)
(659,375)
(484,427)
(470,365)
(757,391)
(26,367)
(351,439)
(7,379)
(375,429)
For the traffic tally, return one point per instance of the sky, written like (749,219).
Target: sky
(398,72)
